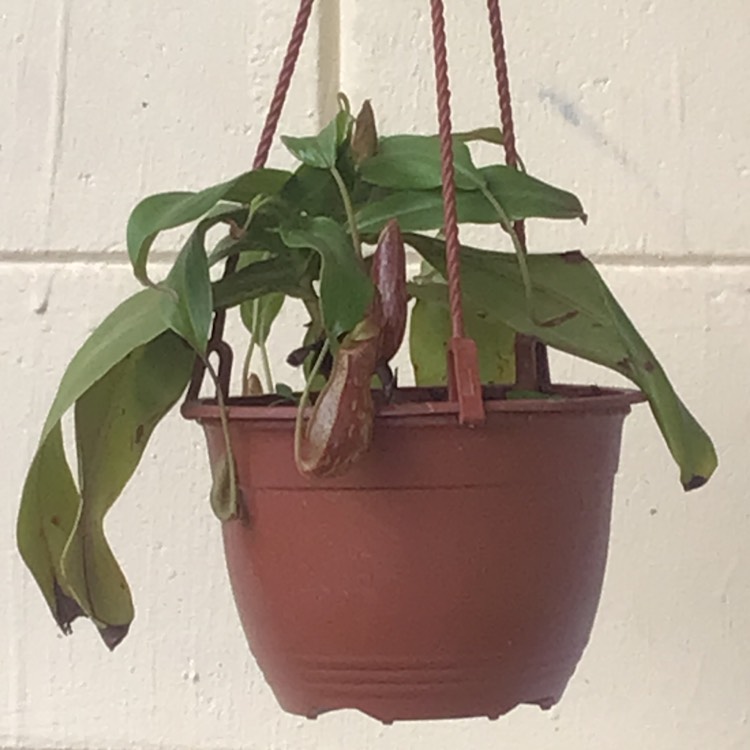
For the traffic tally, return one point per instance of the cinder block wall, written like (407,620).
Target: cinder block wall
(640,106)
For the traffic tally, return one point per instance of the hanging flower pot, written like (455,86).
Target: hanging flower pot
(415,553)
(452,572)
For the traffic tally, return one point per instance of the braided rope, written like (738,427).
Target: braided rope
(503,94)
(452,246)
(532,361)
(216,342)
(283,83)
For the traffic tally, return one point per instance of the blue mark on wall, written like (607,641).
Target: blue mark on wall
(571,112)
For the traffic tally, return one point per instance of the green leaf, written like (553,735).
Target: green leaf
(412,162)
(430,332)
(270,307)
(50,501)
(187,303)
(249,185)
(163,211)
(415,210)
(522,197)
(314,192)
(318,151)
(261,236)
(49,508)
(114,420)
(525,197)
(321,151)
(134,322)
(287,274)
(345,289)
(267,307)
(586,321)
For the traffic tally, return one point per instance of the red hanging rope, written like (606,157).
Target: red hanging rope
(465,386)
(216,341)
(503,94)
(463,360)
(452,245)
(282,85)
(532,364)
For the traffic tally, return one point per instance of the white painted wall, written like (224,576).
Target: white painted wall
(638,105)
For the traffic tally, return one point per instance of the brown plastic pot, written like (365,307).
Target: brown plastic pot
(454,572)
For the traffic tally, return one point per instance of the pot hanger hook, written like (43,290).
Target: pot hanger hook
(532,362)
(464,385)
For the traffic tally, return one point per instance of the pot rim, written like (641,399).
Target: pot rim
(576,399)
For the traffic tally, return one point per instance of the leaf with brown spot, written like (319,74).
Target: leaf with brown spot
(49,491)
(129,400)
(49,506)
(601,332)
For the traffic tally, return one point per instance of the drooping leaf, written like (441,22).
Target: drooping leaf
(187,302)
(345,289)
(163,211)
(114,420)
(50,501)
(430,332)
(134,322)
(49,508)
(586,321)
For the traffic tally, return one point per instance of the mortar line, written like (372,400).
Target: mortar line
(120,258)
(72,257)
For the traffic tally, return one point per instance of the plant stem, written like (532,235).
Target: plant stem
(312,305)
(347,201)
(344,104)
(266,362)
(266,368)
(246,364)
(300,422)
(521,253)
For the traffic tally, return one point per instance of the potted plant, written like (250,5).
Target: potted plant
(383,555)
